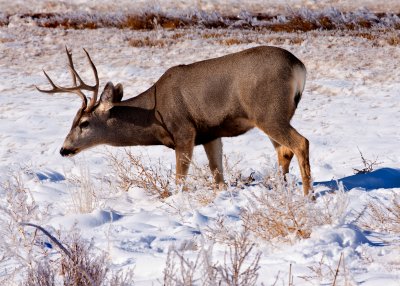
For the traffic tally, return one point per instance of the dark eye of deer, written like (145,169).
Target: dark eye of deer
(84,124)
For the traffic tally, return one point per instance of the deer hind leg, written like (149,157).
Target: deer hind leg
(287,136)
(285,156)
(214,154)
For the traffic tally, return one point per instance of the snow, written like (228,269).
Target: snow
(351,102)
(234,6)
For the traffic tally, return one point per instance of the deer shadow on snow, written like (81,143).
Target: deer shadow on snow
(383,178)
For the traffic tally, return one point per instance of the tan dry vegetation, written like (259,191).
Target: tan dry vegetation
(296,21)
(84,195)
(382,216)
(379,38)
(130,171)
(148,42)
(239,267)
(78,264)
(282,213)
(6,40)
(222,37)
(393,40)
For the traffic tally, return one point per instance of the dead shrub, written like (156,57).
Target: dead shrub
(280,211)
(279,40)
(177,36)
(325,273)
(78,265)
(301,20)
(393,40)
(41,275)
(369,165)
(212,35)
(131,171)
(83,193)
(159,180)
(182,270)
(293,24)
(366,35)
(147,42)
(234,41)
(16,246)
(239,267)
(150,21)
(381,216)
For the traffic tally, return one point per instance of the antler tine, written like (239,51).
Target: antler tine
(93,100)
(50,81)
(59,89)
(76,88)
(71,64)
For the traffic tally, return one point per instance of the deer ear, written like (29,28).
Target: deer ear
(119,93)
(108,94)
(111,94)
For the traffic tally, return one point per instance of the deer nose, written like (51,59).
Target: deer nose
(66,152)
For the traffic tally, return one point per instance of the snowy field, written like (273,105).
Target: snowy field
(351,103)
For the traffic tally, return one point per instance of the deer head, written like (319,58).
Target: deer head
(90,123)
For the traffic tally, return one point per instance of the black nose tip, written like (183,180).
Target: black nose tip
(66,152)
(62,152)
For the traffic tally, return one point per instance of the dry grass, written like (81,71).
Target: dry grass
(234,41)
(239,267)
(324,273)
(84,195)
(78,265)
(158,180)
(379,38)
(148,42)
(29,255)
(382,216)
(369,165)
(302,20)
(130,170)
(280,212)
(393,40)
(16,245)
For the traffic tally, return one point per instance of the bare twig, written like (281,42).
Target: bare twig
(63,249)
(337,270)
(368,165)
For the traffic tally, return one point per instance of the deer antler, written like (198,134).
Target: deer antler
(77,89)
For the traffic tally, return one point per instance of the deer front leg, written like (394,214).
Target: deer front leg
(183,153)
(214,154)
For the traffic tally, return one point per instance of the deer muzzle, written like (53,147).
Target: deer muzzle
(67,152)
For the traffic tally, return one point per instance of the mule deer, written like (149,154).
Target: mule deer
(198,104)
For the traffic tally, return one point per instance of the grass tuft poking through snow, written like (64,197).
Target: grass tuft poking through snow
(280,211)
(240,264)
(79,263)
(131,171)
(296,20)
(382,215)
(84,194)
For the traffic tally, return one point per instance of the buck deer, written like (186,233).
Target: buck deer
(198,104)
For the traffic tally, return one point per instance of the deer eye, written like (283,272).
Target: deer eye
(84,124)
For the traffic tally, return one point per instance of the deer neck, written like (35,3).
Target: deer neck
(137,122)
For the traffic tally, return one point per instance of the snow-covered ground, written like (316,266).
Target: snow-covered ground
(222,6)
(351,102)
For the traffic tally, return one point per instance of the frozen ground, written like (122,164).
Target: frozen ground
(222,6)
(351,101)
